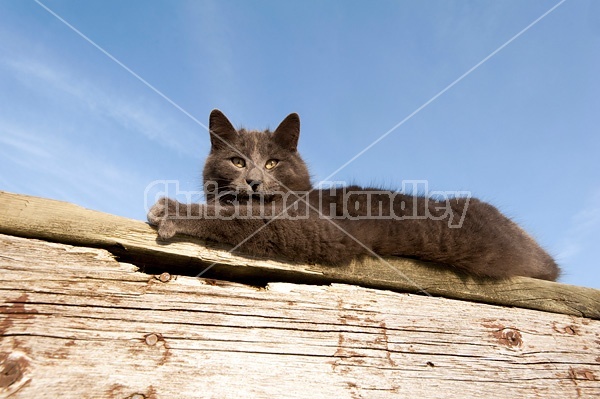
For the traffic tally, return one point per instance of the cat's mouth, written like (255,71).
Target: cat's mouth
(232,197)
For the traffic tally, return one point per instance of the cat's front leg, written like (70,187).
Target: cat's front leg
(171,217)
(159,216)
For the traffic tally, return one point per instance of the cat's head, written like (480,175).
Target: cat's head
(248,164)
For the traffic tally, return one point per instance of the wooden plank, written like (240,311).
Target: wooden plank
(75,323)
(135,241)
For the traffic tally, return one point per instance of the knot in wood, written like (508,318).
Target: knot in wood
(511,338)
(164,277)
(571,330)
(10,373)
(152,339)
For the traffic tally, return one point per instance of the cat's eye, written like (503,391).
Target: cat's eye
(238,162)
(271,163)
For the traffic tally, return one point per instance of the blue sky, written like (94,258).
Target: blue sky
(520,131)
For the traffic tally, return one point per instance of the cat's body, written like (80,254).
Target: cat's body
(260,200)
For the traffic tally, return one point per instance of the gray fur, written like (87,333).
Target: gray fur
(275,212)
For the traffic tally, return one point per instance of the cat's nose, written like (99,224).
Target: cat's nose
(254,184)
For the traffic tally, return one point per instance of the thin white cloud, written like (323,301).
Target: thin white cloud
(60,114)
(52,166)
(15,142)
(51,155)
(142,115)
(582,235)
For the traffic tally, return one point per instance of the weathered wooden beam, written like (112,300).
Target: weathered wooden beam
(135,241)
(75,323)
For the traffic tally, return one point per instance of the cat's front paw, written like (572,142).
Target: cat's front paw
(159,211)
(161,215)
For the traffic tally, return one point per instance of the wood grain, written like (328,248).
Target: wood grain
(75,323)
(134,241)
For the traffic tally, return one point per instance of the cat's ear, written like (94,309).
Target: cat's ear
(221,130)
(288,132)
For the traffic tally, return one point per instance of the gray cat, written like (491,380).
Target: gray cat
(260,200)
